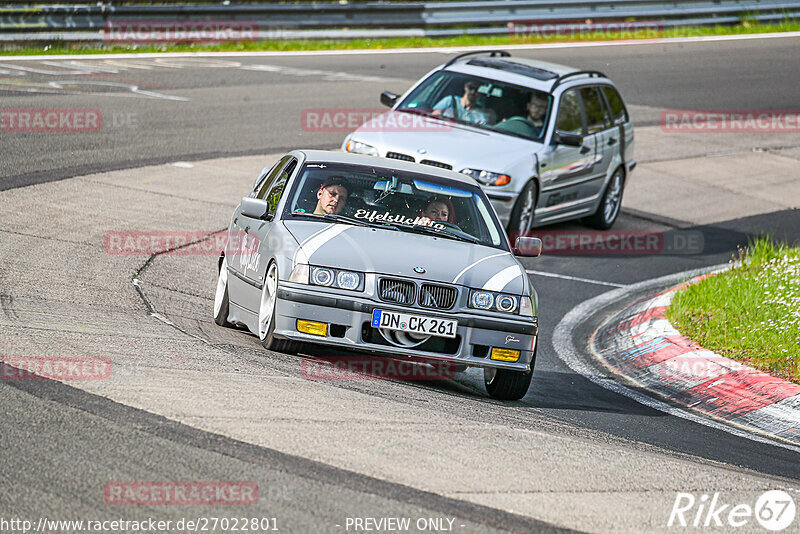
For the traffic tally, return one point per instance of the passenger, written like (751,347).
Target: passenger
(532,123)
(437,209)
(464,108)
(332,196)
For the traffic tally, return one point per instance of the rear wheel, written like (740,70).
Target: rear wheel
(267,315)
(609,207)
(505,384)
(522,214)
(221,301)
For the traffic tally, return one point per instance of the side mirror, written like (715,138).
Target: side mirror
(528,246)
(389,99)
(566,138)
(255,208)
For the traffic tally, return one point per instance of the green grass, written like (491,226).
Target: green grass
(745,27)
(749,313)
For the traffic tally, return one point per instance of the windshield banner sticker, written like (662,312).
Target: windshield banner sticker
(374,216)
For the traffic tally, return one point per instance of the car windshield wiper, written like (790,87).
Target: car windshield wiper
(438,233)
(340,218)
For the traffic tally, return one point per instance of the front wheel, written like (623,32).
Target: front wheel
(221,300)
(505,384)
(523,212)
(610,205)
(267,315)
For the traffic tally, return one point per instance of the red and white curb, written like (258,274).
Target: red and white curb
(641,344)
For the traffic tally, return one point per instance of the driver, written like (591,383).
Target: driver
(332,196)
(464,108)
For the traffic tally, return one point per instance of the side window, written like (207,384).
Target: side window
(596,118)
(266,183)
(276,192)
(618,113)
(569,113)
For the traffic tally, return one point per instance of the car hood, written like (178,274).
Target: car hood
(452,144)
(397,253)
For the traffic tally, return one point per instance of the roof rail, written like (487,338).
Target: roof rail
(492,53)
(590,73)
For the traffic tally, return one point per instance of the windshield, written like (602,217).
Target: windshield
(394,200)
(487,104)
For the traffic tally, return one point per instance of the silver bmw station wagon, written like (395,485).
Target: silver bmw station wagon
(381,256)
(547,143)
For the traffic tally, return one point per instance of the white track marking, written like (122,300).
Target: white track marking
(574,278)
(443,50)
(327,75)
(473,264)
(134,89)
(566,351)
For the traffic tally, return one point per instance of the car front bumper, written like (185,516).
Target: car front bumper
(352,317)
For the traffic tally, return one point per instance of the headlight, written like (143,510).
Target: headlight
(348,280)
(481,300)
(321,277)
(487,177)
(338,278)
(506,303)
(487,300)
(357,147)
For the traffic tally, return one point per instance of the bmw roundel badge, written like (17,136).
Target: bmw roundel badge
(419,270)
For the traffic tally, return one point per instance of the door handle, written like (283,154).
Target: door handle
(612,141)
(247,228)
(585,149)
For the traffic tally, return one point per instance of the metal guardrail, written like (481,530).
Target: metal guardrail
(382,19)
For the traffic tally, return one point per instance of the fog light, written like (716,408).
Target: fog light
(312,327)
(505,355)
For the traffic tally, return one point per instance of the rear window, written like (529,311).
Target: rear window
(618,113)
(596,120)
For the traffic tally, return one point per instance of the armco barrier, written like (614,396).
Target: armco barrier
(27,23)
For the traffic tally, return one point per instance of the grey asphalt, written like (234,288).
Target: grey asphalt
(236,111)
(69,442)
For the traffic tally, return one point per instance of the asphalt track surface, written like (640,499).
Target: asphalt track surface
(60,443)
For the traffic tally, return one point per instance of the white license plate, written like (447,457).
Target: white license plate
(417,324)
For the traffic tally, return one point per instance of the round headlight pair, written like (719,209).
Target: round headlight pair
(344,279)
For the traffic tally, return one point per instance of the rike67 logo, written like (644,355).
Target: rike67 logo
(773,510)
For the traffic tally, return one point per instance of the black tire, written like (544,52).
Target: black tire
(269,341)
(504,384)
(221,314)
(524,207)
(606,214)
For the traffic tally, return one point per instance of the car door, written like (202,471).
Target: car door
(563,168)
(599,128)
(264,229)
(620,121)
(244,246)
